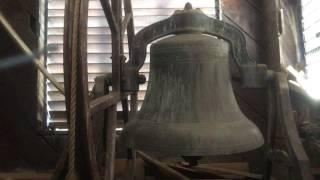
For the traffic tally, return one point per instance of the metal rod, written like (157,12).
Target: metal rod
(114,27)
(26,50)
(133,101)
(125,23)
(131,153)
(18,60)
(111,125)
(130,27)
(218,6)
(115,15)
(103,102)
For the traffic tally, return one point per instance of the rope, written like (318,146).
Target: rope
(72,115)
(72,174)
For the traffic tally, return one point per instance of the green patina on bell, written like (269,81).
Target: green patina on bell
(190,108)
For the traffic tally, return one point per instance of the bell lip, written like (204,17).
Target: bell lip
(199,152)
(157,148)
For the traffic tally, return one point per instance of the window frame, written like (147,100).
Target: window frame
(46,121)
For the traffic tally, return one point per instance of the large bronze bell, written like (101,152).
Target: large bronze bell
(190,108)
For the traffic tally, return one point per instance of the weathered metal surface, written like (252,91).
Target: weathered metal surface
(105,101)
(111,112)
(271,129)
(183,21)
(190,108)
(130,27)
(114,27)
(98,120)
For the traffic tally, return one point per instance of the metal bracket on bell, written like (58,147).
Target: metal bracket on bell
(184,21)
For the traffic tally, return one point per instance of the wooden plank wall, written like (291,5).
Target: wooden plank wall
(20,143)
(283,39)
(247,16)
(291,41)
(258,21)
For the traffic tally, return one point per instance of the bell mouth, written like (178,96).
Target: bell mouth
(192,139)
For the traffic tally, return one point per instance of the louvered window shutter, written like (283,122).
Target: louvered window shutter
(311,32)
(145,13)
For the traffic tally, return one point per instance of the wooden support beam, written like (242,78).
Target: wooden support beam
(162,167)
(215,170)
(25,176)
(297,154)
(26,50)
(271,32)
(104,102)
(271,129)
(61,168)
(224,170)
